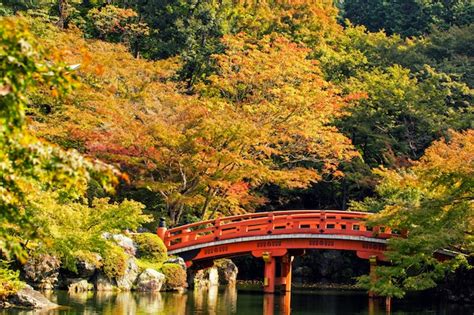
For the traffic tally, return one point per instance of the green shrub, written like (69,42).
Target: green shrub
(150,247)
(114,262)
(175,276)
(9,281)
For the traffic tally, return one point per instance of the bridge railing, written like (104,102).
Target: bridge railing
(274,223)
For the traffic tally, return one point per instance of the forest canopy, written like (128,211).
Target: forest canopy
(190,110)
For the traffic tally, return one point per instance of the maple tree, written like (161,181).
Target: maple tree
(433,201)
(213,150)
(237,106)
(43,192)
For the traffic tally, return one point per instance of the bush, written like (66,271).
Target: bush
(114,262)
(9,281)
(150,247)
(175,276)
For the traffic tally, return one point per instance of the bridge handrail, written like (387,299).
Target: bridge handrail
(277,222)
(265,214)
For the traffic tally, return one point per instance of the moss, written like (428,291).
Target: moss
(222,263)
(89,257)
(9,281)
(114,262)
(145,264)
(150,247)
(175,276)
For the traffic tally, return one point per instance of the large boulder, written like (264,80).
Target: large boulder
(123,241)
(87,266)
(175,277)
(176,260)
(29,298)
(203,278)
(126,281)
(42,271)
(227,271)
(103,283)
(150,280)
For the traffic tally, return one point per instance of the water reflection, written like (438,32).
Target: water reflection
(242,300)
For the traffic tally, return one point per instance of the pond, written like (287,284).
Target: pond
(245,300)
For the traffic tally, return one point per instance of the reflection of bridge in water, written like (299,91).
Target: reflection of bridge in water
(276,237)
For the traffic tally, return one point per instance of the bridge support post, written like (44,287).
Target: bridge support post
(286,263)
(372,274)
(269,273)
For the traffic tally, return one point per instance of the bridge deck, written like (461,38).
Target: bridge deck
(277,237)
(278,224)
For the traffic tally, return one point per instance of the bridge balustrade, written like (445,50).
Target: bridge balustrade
(274,223)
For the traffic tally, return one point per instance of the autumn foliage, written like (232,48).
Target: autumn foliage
(200,109)
(251,124)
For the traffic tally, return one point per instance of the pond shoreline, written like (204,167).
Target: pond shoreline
(316,285)
(244,298)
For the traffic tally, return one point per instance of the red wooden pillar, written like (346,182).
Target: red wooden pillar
(388,304)
(269,273)
(285,304)
(286,262)
(372,273)
(268,304)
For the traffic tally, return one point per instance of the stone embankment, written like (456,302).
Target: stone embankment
(45,272)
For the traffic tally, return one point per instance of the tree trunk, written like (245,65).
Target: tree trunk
(62,6)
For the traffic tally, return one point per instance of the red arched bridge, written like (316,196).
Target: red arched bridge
(277,237)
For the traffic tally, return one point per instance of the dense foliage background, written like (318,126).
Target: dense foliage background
(193,109)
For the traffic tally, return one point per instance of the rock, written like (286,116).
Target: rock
(103,283)
(227,271)
(197,278)
(176,260)
(5,304)
(213,276)
(203,278)
(79,285)
(126,282)
(86,268)
(150,280)
(29,298)
(123,241)
(42,271)
(175,276)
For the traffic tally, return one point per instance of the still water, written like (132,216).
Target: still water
(243,300)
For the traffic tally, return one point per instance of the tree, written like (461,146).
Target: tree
(433,201)
(209,153)
(402,115)
(35,176)
(118,25)
(190,29)
(408,18)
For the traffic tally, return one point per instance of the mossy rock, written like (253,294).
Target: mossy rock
(175,276)
(150,247)
(144,264)
(114,262)
(89,257)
